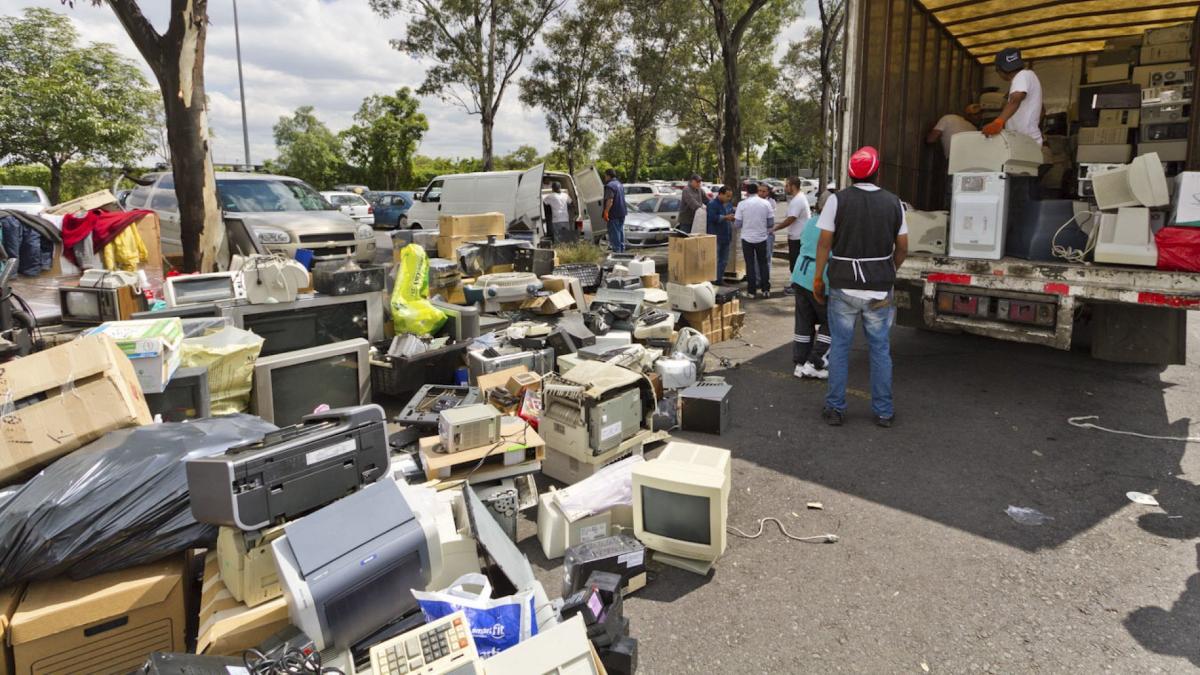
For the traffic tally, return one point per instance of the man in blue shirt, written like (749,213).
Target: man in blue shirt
(720,223)
(810,341)
(614,211)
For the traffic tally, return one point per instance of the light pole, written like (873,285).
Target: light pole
(237,41)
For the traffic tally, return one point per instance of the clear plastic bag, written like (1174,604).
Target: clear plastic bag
(117,502)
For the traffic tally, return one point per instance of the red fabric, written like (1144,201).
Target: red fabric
(1178,249)
(864,163)
(104,226)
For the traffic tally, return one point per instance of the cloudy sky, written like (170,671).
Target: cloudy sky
(329,54)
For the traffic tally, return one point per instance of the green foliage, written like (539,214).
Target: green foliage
(308,150)
(62,100)
(78,179)
(384,137)
(580,252)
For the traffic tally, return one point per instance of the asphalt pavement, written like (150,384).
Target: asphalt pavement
(930,574)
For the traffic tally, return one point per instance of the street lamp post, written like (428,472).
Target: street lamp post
(237,41)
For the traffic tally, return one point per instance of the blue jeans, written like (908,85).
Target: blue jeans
(616,234)
(844,312)
(723,242)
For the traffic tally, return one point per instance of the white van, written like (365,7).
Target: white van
(516,194)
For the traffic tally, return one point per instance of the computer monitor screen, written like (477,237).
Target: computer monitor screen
(676,516)
(291,327)
(83,305)
(299,388)
(283,332)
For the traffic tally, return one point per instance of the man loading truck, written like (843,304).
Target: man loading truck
(1022,112)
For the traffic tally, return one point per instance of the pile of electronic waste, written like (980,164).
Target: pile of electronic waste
(317,532)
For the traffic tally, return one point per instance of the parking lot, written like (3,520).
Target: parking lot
(930,574)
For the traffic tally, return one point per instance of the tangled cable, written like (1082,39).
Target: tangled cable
(762,523)
(291,662)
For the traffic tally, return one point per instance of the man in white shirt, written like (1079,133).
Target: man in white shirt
(560,217)
(952,124)
(756,218)
(1023,111)
(798,213)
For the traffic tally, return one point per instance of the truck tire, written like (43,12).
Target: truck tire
(1138,334)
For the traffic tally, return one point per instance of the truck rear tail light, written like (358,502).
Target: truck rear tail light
(1022,311)
(963,304)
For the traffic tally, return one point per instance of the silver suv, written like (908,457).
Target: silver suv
(285,213)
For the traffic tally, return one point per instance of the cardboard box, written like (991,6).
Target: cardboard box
(1103,135)
(498,379)
(735,323)
(475,225)
(1104,154)
(691,260)
(9,597)
(1116,117)
(65,396)
(555,303)
(1144,76)
(651,281)
(447,246)
(228,627)
(570,470)
(249,572)
(1109,73)
(554,283)
(1181,32)
(152,346)
(522,381)
(706,321)
(107,623)
(1165,53)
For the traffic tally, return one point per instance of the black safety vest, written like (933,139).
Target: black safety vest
(867,223)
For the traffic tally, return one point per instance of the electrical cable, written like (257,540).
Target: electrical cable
(503,440)
(1082,423)
(291,662)
(1066,252)
(762,523)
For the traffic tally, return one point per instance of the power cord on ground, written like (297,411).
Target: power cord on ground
(762,523)
(1083,423)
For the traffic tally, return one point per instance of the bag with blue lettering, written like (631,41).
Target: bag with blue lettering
(496,623)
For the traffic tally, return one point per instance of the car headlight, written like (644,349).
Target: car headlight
(272,235)
(365,232)
(637,228)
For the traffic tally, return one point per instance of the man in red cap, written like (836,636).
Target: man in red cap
(864,240)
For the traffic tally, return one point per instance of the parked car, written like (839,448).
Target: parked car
(391,208)
(643,229)
(351,187)
(285,214)
(637,192)
(352,205)
(25,198)
(666,208)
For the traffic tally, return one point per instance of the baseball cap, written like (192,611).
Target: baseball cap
(695,176)
(864,163)
(1009,60)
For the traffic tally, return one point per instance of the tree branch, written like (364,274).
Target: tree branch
(140,30)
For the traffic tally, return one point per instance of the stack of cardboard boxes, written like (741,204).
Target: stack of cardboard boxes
(722,322)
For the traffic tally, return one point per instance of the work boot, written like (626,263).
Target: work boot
(834,418)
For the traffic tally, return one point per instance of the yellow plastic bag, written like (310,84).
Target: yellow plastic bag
(411,310)
(229,355)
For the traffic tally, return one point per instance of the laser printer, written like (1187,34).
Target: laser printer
(291,471)
(592,408)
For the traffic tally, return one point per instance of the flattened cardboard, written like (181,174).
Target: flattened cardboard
(107,623)
(692,260)
(475,225)
(88,388)
(228,627)
(9,597)
(555,283)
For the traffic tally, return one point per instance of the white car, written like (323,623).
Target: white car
(352,205)
(25,198)
(636,193)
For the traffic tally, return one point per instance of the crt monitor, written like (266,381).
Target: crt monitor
(311,320)
(1140,183)
(1007,152)
(680,505)
(289,386)
(185,398)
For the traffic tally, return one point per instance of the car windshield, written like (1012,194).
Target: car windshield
(16,196)
(258,195)
(647,206)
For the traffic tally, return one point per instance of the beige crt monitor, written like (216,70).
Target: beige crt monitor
(1140,183)
(1007,152)
(681,505)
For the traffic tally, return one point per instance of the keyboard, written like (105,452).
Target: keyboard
(435,648)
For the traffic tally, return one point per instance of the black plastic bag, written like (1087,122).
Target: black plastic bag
(117,502)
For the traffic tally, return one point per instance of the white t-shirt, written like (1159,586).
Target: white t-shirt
(1028,118)
(558,202)
(756,217)
(828,223)
(952,124)
(798,209)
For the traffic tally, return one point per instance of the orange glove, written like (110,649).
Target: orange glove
(994,127)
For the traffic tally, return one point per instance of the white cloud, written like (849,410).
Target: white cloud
(329,54)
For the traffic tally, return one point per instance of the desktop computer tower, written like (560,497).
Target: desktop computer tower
(978,211)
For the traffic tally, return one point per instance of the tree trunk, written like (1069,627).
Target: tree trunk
(730,139)
(486,122)
(55,181)
(637,159)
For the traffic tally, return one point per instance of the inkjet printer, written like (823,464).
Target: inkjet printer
(291,471)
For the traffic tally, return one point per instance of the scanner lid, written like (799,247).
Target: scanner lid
(326,535)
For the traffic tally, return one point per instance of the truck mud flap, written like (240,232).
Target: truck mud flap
(1138,334)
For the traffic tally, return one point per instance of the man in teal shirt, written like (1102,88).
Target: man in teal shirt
(810,343)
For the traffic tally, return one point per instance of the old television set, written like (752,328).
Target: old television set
(311,321)
(1007,152)
(289,386)
(186,396)
(194,289)
(1142,182)
(85,306)
(681,505)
